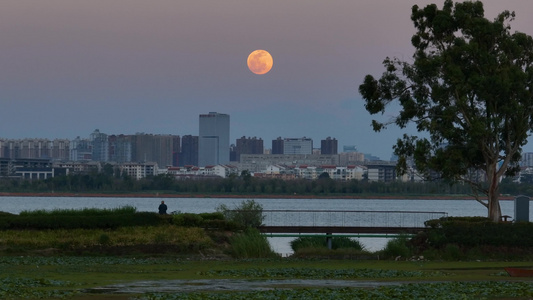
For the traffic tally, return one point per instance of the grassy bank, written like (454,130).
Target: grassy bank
(97,241)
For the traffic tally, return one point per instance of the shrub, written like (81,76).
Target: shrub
(248,214)
(81,212)
(188,220)
(204,220)
(397,247)
(346,242)
(221,225)
(474,231)
(321,242)
(104,239)
(212,216)
(308,242)
(452,252)
(86,218)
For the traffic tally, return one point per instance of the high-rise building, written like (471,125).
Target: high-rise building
(189,151)
(298,146)
(120,148)
(277,146)
(248,146)
(213,141)
(57,149)
(81,149)
(527,159)
(154,148)
(328,146)
(60,149)
(176,150)
(100,146)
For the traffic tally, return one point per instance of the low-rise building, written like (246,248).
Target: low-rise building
(383,171)
(354,172)
(139,170)
(79,167)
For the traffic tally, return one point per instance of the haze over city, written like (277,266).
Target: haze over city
(127,66)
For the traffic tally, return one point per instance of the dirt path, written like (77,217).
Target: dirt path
(173,286)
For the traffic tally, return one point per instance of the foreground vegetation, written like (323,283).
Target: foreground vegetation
(73,277)
(41,259)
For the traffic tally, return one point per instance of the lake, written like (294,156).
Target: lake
(453,208)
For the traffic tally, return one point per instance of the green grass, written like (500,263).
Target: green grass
(189,239)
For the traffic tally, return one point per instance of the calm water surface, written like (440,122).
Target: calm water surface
(199,205)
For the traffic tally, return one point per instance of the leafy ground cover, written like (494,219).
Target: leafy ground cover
(73,277)
(318,273)
(438,291)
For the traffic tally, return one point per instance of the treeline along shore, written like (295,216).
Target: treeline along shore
(244,186)
(250,196)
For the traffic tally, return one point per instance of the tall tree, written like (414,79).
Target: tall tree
(468,89)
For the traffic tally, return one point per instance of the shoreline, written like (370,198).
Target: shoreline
(165,195)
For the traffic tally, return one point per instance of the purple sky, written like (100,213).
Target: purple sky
(126,66)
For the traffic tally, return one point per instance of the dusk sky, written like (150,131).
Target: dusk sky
(126,66)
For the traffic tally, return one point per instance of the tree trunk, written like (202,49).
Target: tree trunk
(494,207)
(494,212)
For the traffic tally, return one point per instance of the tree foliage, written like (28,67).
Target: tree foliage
(469,90)
(248,214)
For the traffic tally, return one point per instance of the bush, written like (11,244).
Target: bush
(475,231)
(85,218)
(452,252)
(321,242)
(248,214)
(397,247)
(212,216)
(188,220)
(124,210)
(221,225)
(204,220)
(308,242)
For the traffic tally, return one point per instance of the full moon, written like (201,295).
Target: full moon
(260,62)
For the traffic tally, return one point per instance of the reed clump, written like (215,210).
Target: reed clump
(251,244)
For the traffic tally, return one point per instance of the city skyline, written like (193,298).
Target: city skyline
(96,135)
(130,66)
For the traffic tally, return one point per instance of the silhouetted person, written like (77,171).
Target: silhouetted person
(162,208)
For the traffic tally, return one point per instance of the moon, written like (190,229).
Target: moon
(260,62)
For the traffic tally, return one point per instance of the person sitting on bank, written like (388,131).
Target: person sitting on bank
(162,208)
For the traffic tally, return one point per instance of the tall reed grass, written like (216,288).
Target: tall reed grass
(251,244)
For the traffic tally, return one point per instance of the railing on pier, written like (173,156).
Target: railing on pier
(342,221)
